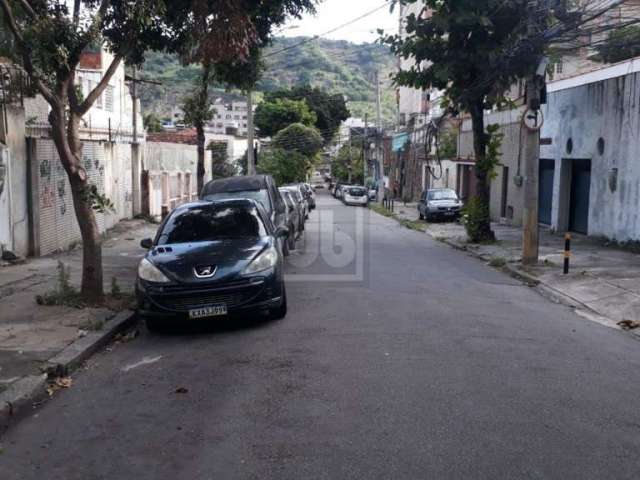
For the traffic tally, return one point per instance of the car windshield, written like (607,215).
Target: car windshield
(357,192)
(208,223)
(442,195)
(258,195)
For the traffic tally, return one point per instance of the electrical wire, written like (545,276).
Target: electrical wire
(339,27)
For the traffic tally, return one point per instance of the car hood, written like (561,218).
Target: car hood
(229,257)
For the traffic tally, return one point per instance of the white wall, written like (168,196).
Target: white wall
(609,110)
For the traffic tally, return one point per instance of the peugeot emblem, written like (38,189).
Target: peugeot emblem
(207,271)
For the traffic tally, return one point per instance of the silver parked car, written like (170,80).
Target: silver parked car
(355,195)
(439,203)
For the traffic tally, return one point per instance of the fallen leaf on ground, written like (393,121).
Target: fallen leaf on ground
(629,324)
(182,390)
(57,384)
(64,382)
(127,337)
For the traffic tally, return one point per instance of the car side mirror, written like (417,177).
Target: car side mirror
(147,244)
(282,232)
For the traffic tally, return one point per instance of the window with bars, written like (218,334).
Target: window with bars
(108,98)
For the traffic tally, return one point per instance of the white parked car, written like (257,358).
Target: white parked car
(355,195)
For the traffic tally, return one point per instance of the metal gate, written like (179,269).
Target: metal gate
(545,194)
(580,193)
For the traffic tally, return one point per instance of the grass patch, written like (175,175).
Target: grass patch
(64,294)
(92,325)
(416,225)
(498,262)
(381,210)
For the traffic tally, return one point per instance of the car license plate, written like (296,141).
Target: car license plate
(449,213)
(205,312)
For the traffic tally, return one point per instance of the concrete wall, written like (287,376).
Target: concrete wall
(606,110)
(510,164)
(14,210)
(172,171)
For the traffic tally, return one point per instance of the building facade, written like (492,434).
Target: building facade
(229,118)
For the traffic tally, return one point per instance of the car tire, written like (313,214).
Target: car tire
(291,241)
(280,312)
(420,214)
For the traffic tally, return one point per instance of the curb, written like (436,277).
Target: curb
(531,281)
(16,400)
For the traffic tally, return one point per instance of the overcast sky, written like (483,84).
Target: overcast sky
(333,13)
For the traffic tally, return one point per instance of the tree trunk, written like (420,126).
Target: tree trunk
(201,156)
(483,184)
(66,136)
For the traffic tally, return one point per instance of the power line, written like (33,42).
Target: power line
(315,37)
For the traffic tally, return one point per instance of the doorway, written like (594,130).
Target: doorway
(579,198)
(505,192)
(545,194)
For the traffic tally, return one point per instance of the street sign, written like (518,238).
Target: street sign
(533,119)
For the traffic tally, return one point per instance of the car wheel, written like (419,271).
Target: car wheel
(280,312)
(291,240)
(421,215)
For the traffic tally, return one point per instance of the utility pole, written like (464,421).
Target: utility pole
(350,168)
(379,155)
(251,161)
(533,121)
(365,145)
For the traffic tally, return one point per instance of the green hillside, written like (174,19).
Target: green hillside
(336,66)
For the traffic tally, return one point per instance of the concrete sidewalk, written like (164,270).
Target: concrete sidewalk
(31,334)
(604,279)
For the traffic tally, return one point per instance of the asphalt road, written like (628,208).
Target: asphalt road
(423,364)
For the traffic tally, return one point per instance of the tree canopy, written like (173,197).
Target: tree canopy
(275,115)
(331,110)
(299,138)
(285,166)
(349,163)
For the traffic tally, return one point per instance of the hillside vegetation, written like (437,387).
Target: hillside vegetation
(336,66)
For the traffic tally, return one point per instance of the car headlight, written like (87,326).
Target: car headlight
(266,260)
(149,272)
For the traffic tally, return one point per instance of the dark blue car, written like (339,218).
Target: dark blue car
(212,259)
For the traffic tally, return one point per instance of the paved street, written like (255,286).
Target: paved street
(432,365)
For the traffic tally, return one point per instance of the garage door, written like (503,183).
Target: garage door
(545,194)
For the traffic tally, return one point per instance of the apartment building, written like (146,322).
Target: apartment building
(229,118)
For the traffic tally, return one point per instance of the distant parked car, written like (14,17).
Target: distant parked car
(301,204)
(261,188)
(439,203)
(309,195)
(211,259)
(340,190)
(373,193)
(355,195)
(293,217)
